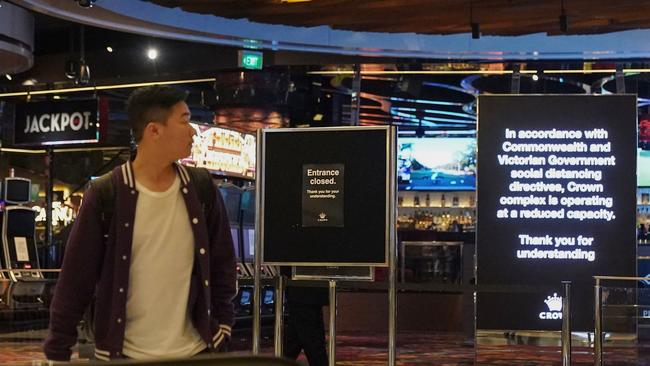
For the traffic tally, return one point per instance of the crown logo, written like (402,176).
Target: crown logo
(554,303)
(322,215)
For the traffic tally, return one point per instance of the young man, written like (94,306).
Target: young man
(163,273)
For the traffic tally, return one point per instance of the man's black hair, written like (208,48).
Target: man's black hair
(151,104)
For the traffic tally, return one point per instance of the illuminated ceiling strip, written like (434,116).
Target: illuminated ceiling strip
(423,101)
(471,117)
(477,72)
(455,114)
(105,87)
(437,119)
(72,149)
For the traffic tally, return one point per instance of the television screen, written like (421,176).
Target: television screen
(643,168)
(17,190)
(440,163)
(223,151)
(643,158)
(231,198)
(249,243)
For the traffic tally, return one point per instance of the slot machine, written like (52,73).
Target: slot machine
(19,253)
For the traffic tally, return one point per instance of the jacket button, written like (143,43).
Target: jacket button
(121,289)
(126,224)
(185,190)
(195,220)
(202,251)
(207,283)
(208,312)
(117,353)
(119,320)
(132,191)
(124,257)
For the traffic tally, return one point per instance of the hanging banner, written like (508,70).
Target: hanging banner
(56,122)
(322,195)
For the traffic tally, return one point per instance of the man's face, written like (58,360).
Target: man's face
(177,134)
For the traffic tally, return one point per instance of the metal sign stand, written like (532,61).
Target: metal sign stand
(391,233)
(332,331)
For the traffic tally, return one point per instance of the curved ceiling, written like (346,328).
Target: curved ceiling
(431,29)
(496,17)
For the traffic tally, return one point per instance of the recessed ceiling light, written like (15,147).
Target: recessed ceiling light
(152,53)
(29,82)
(8,77)
(535,77)
(109,49)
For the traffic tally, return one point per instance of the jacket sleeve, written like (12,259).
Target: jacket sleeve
(76,283)
(223,267)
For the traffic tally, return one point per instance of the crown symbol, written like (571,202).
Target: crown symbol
(322,215)
(554,303)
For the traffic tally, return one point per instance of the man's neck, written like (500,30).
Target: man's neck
(155,174)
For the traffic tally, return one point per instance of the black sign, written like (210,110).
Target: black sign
(54,123)
(306,218)
(322,195)
(556,201)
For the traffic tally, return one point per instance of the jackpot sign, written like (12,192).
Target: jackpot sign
(53,123)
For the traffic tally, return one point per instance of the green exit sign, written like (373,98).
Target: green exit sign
(251,59)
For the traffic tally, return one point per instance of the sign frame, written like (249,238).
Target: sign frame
(390,199)
(94,120)
(576,271)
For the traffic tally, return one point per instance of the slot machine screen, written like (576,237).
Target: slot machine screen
(231,198)
(248,206)
(268,296)
(234,232)
(245,298)
(249,244)
(17,190)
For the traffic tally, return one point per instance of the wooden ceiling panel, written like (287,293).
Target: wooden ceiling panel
(496,17)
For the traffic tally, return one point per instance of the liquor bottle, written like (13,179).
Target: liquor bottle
(427,200)
(400,201)
(442,200)
(416,201)
(454,201)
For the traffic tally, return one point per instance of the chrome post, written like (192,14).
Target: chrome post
(279,314)
(332,330)
(258,243)
(566,324)
(598,331)
(392,250)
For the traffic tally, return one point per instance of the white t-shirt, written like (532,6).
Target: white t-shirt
(158,321)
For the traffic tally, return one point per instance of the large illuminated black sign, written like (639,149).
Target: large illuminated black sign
(556,201)
(58,122)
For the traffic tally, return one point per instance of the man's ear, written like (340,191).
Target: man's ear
(152,129)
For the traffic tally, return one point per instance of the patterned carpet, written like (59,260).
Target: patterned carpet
(440,349)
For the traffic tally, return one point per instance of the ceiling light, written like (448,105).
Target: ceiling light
(152,53)
(109,49)
(29,82)
(476,30)
(8,77)
(85,3)
(535,77)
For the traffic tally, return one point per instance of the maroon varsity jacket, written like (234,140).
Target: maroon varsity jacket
(94,265)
